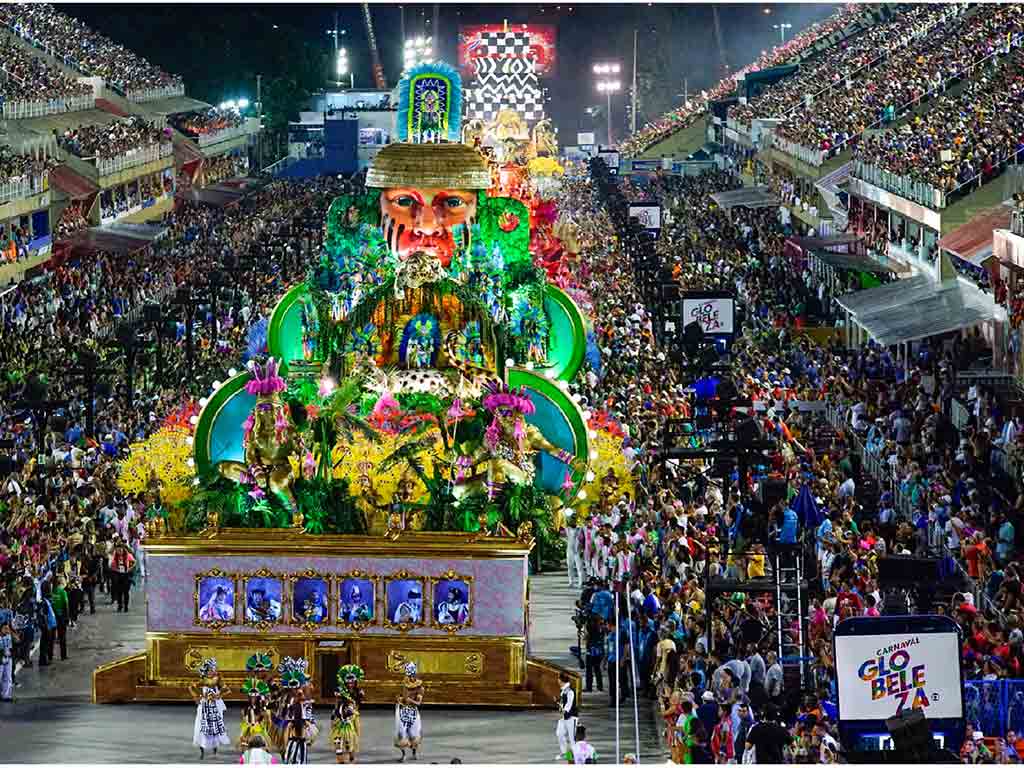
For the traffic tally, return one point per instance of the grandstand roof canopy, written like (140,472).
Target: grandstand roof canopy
(917,308)
(830,241)
(174,105)
(851,261)
(748,197)
(972,241)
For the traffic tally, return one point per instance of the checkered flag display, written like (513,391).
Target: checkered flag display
(505,77)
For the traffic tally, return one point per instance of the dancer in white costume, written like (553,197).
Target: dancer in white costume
(573,551)
(210,731)
(408,725)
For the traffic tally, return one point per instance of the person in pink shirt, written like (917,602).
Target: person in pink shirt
(872,607)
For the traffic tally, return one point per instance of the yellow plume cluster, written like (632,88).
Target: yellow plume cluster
(164,455)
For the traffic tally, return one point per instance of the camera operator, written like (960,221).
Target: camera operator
(595,642)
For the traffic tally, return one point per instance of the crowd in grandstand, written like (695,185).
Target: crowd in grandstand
(207,121)
(927,62)
(940,495)
(686,114)
(60,530)
(15,167)
(961,136)
(85,49)
(119,137)
(833,67)
(29,78)
(72,221)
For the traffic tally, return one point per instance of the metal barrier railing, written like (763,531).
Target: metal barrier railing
(23,187)
(206,139)
(23,110)
(108,165)
(140,96)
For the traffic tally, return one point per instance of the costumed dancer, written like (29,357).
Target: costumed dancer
(209,731)
(408,725)
(568,712)
(254,715)
(299,699)
(297,750)
(345,725)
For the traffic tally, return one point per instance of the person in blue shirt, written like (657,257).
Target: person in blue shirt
(611,654)
(788,531)
(603,603)
(1005,537)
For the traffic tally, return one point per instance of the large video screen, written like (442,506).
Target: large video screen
(884,675)
(494,41)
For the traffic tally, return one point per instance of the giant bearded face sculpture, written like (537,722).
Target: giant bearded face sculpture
(426,219)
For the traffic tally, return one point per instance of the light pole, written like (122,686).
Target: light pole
(343,68)
(418,50)
(782,31)
(608,83)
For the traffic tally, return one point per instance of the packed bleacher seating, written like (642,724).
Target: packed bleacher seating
(833,67)
(952,50)
(207,121)
(46,323)
(29,78)
(72,221)
(685,115)
(86,50)
(224,167)
(962,137)
(112,139)
(16,168)
(887,469)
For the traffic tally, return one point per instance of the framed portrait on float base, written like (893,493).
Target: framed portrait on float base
(263,599)
(357,600)
(452,603)
(310,599)
(403,601)
(214,599)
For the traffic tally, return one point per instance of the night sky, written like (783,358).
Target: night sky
(586,33)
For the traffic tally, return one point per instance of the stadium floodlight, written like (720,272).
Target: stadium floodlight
(782,31)
(342,62)
(243,103)
(607,86)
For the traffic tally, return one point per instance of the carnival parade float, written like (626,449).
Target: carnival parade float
(369,490)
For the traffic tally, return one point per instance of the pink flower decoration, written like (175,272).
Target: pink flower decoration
(456,412)
(567,483)
(257,493)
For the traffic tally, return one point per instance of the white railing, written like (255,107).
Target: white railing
(142,95)
(107,165)
(922,192)
(1017,223)
(207,139)
(21,109)
(26,186)
(810,156)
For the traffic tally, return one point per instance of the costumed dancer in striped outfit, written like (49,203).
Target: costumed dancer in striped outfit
(298,693)
(209,731)
(345,724)
(408,725)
